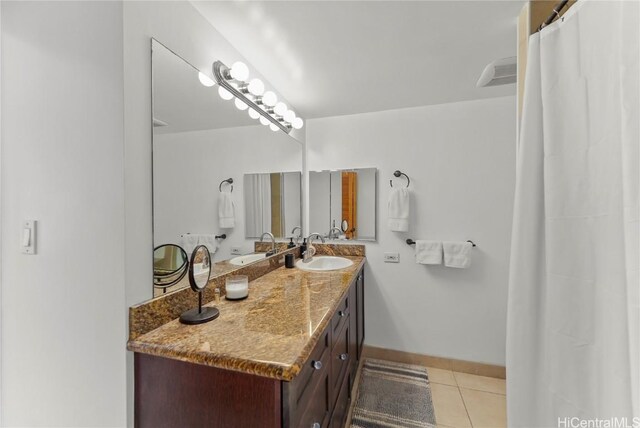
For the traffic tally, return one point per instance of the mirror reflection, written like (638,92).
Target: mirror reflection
(218,177)
(342,203)
(200,268)
(272,203)
(170,264)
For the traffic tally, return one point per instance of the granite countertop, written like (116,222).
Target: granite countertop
(271,333)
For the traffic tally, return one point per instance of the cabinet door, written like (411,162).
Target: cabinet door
(341,408)
(318,410)
(360,311)
(353,336)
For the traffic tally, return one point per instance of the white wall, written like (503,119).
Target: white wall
(188,167)
(460,158)
(63,310)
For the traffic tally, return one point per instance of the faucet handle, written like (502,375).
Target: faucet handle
(311,251)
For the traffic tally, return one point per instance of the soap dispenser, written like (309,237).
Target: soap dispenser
(291,244)
(303,247)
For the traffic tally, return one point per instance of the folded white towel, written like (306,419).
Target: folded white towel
(456,254)
(210,242)
(398,220)
(429,252)
(189,242)
(226,210)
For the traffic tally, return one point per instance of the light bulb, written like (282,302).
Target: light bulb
(224,94)
(289,116)
(240,105)
(254,114)
(264,121)
(297,123)
(256,87)
(280,109)
(205,80)
(273,127)
(269,99)
(239,71)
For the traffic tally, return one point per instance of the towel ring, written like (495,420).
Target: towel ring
(398,174)
(228,181)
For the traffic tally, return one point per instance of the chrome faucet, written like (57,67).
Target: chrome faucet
(331,235)
(299,235)
(273,243)
(307,255)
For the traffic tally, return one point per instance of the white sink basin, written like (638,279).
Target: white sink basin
(249,258)
(324,263)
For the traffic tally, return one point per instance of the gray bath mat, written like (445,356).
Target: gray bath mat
(393,395)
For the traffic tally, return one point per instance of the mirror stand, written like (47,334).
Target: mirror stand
(199,315)
(199,274)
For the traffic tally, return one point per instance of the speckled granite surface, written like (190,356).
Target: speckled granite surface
(330,249)
(153,313)
(270,334)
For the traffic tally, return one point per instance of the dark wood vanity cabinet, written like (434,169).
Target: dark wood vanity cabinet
(320,395)
(170,393)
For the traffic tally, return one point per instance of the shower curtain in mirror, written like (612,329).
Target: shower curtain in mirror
(257,188)
(573,314)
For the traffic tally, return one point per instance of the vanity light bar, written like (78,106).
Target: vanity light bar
(224,75)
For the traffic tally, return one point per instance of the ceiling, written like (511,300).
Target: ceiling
(332,58)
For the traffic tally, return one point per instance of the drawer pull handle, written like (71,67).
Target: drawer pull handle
(343,357)
(317,365)
(342,314)
(315,425)
(360,278)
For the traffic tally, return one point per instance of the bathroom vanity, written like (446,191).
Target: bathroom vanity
(286,356)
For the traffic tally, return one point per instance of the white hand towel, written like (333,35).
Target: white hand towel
(398,220)
(210,242)
(456,254)
(429,252)
(188,242)
(226,210)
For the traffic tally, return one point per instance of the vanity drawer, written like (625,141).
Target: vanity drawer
(341,316)
(340,359)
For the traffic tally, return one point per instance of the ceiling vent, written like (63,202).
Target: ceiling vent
(499,72)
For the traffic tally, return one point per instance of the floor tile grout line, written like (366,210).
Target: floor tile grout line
(482,390)
(465,407)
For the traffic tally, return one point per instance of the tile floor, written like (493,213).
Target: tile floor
(462,400)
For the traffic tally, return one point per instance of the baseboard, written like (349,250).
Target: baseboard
(470,367)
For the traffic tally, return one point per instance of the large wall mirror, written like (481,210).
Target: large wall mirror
(199,142)
(342,203)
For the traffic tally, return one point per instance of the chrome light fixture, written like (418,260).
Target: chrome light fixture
(251,95)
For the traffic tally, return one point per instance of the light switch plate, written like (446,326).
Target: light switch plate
(236,251)
(392,257)
(28,237)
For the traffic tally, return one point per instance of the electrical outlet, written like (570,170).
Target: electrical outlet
(236,251)
(392,257)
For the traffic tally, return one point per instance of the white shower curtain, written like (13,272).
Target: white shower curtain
(573,315)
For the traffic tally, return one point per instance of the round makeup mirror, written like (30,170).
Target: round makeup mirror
(199,268)
(170,265)
(199,273)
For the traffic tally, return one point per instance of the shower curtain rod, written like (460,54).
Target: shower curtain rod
(555,13)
